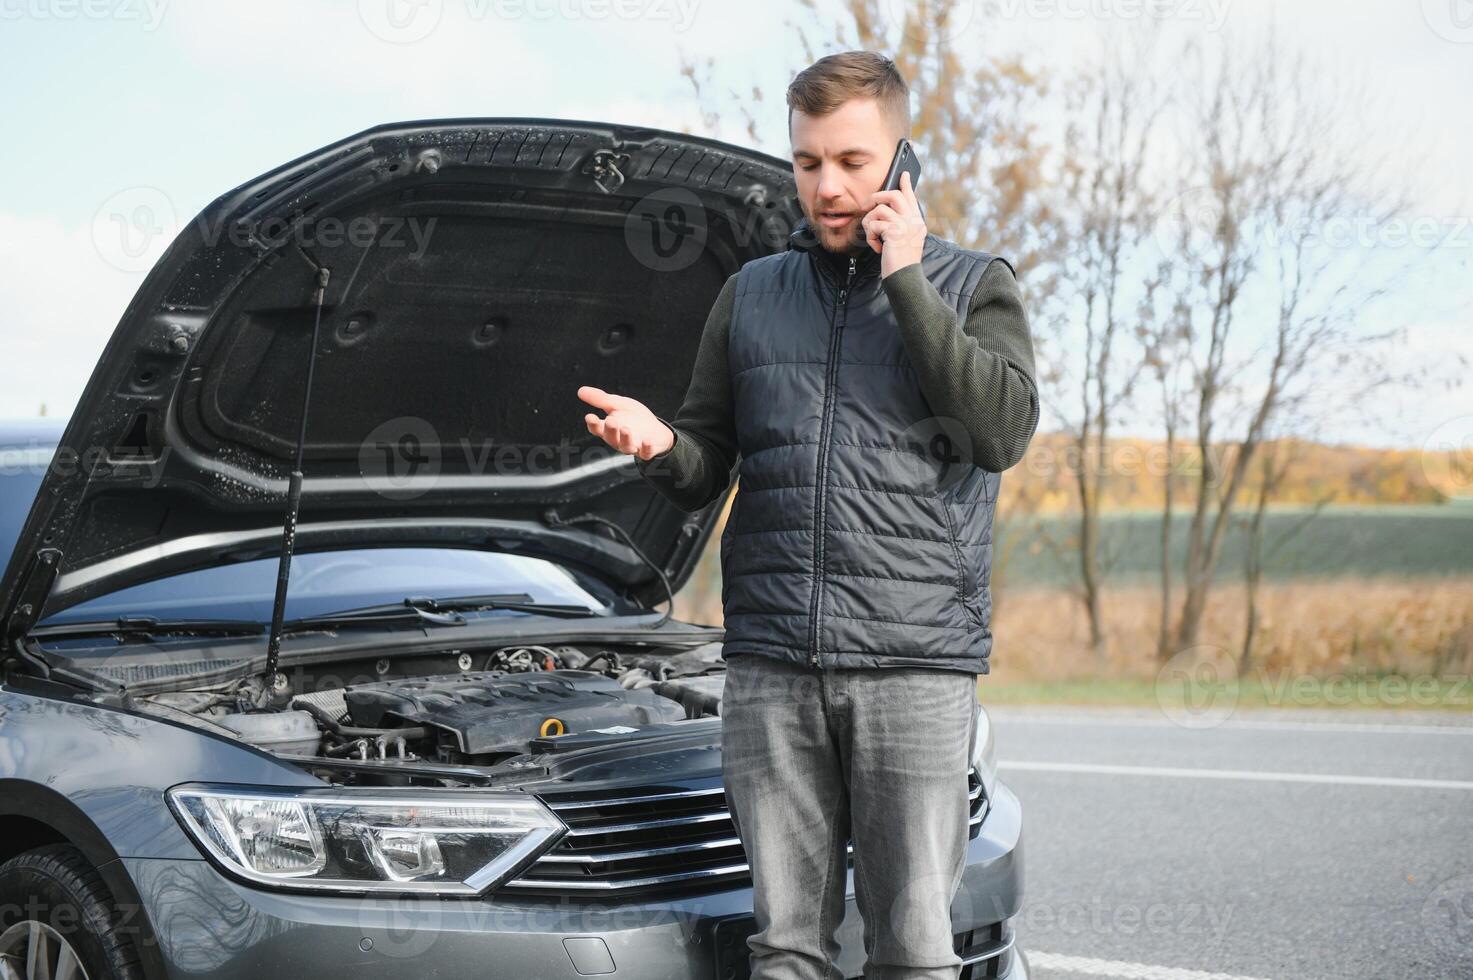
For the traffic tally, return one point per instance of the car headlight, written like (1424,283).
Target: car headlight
(441,842)
(984,752)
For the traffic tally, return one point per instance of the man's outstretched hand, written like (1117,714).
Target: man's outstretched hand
(629,426)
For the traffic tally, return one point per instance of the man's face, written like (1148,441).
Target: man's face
(839,162)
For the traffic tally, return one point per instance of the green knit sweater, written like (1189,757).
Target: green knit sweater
(979,373)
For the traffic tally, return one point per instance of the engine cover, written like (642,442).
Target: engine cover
(495,712)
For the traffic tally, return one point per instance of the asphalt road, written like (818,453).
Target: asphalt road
(1291,845)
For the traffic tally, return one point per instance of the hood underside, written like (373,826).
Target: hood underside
(478,272)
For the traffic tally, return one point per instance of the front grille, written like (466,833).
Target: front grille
(632,843)
(638,842)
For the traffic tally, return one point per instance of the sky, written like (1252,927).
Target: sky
(124,118)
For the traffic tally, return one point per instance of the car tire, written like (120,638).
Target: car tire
(54,902)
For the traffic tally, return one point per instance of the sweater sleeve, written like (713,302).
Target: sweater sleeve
(980,373)
(698,467)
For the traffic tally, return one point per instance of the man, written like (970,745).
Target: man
(875,381)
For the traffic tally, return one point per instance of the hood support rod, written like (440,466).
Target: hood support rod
(293,503)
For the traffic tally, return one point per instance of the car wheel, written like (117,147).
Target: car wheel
(57,920)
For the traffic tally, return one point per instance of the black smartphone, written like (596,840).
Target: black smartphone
(904,161)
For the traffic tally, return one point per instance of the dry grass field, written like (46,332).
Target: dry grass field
(1353,642)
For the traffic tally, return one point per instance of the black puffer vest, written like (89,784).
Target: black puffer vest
(859,536)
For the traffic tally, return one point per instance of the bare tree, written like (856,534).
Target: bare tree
(1105,217)
(972,114)
(1276,458)
(1255,253)
(1166,339)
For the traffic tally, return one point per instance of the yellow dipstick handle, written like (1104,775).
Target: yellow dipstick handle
(551,726)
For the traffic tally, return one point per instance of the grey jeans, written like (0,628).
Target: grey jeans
(814,757)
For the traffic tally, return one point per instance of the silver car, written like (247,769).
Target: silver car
(333,645)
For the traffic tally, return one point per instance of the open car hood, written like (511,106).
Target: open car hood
(480,270)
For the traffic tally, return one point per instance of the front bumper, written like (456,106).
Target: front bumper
(211,928)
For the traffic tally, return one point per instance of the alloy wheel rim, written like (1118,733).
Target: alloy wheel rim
(31,950)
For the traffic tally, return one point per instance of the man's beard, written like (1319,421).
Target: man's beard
(845,241)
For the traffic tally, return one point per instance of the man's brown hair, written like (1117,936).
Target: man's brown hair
(836,78)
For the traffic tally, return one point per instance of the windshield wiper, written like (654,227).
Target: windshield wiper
(425,611)
(403,614)
(514,601)
(150,626)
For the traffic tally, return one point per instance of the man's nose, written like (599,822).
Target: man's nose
(829,184)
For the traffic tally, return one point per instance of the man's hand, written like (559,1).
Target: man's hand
(629,427)
(894,227)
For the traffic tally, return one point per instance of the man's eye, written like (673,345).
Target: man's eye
(811,166)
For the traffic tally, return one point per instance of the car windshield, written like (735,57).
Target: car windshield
(334,581)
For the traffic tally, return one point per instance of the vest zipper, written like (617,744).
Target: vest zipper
(842,304)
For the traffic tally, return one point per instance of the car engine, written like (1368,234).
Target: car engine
(481,710)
